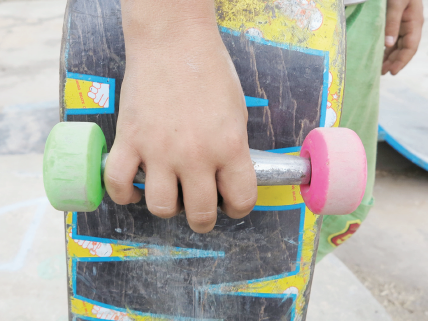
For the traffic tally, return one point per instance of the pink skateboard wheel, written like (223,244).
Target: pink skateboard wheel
(339,171)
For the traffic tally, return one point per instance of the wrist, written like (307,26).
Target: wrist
(160,23)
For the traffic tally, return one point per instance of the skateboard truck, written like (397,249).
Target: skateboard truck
(331,170)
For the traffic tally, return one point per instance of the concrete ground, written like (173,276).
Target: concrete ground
(32,256)
(381,267)
(389,253)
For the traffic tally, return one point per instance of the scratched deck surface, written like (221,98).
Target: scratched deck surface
(126,264)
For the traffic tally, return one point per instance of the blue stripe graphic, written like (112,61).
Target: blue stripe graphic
(256,102)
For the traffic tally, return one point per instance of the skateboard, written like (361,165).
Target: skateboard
(404,130)
(126,264)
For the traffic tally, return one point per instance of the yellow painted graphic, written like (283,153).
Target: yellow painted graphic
(279,195)
(83,248)
(86,309)
(82,94)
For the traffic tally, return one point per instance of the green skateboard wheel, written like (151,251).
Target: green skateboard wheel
(72,166)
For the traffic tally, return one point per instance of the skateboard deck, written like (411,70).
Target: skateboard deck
(401,128)
(126,264)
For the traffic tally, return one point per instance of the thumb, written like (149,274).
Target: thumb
(394,14)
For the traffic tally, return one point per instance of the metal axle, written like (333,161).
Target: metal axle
(271,169)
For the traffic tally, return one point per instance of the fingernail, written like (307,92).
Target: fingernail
(389,41)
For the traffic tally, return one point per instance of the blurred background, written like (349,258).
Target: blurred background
(381,273)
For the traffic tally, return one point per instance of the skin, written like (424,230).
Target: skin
(182,116)
(404,20)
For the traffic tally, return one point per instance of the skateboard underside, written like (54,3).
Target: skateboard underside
(126,264)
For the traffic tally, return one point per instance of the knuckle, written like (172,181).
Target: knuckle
(187,150)
(162,211)
(236,145)
(236,140)
(192,149)
(241,207)
(245,205)
(202,219)
(117,190)
(126,133)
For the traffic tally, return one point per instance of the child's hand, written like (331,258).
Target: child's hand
(183,119)
(404,20)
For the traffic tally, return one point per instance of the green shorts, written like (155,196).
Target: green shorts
(365,28)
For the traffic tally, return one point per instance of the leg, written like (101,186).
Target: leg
(365,36)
